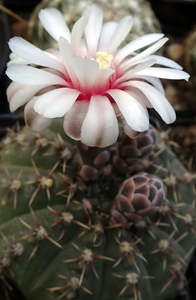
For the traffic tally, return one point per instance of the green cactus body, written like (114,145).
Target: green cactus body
(57,236)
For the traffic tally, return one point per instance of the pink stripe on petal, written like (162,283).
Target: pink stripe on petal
(100,126)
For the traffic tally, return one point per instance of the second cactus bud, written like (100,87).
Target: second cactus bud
(138,196)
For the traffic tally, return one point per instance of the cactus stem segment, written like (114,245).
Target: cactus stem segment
(87,206)
(5,285)
(176,271)
(120,222)
(189,218)
(172,180)
(165,247)
(127,249)
(164,141)
(190,178)
(86,259)
(43,182)
(169,210)
(39,233)
(98,231)
(132,280)
(63,150)
(40,143)
(13,185)
(14,248)
(71,189)
(65,218)
(70,288)
(145,225)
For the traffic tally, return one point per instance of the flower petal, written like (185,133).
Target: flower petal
(158,101)
(101,82)
(120,33)
(93,28)
(136,59)
(135,70)
(33,55)
(156,82)
(100,126)
(107,30)
(139,96)
(67,57)
(15,59)
(76,34)
(18,94)
(86,71)
(164,61)
(74,118)
(31,76)
(129,131)
(142,66)
(137,44)
(165,73)
(34,120)
(133,112)
(56,103)
(54,23)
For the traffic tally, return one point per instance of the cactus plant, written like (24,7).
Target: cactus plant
(62,237)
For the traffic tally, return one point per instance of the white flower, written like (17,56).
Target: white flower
(90,80)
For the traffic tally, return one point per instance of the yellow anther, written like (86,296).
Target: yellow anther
(104,59)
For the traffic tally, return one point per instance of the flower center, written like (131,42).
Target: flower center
(104,59)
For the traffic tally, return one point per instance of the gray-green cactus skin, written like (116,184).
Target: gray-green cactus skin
(144,19)
(58,236)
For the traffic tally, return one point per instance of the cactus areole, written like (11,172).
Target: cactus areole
(79,221)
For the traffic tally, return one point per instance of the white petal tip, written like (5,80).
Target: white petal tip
(187,78)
